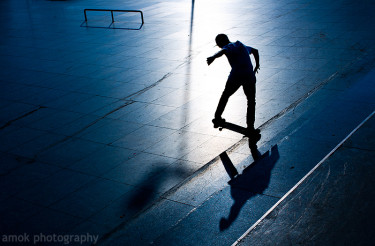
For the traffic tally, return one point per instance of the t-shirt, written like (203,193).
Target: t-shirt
(238,57)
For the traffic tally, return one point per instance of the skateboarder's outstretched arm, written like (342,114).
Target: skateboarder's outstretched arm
(217,55)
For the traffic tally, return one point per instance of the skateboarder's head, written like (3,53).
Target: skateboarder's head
(222,40)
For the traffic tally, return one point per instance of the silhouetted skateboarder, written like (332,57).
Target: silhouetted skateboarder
(242,74)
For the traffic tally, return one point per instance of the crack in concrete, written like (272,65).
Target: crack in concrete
(82,129)
(140,92)
(7,124)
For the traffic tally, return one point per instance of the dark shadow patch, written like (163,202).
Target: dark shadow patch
(228,165)
(150,187)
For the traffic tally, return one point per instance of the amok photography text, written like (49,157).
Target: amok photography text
(49,238)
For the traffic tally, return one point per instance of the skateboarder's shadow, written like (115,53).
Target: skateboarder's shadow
(254,180)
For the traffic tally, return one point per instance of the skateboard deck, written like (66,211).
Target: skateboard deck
(233,127)
(239,129)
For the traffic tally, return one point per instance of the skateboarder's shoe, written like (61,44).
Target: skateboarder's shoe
(218,122)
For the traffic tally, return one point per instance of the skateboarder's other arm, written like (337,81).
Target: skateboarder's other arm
(217,55)
(256,57)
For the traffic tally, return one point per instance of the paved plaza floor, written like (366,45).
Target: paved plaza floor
(105,128)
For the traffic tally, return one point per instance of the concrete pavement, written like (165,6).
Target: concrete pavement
(332,206)
(213,209)
(100,127)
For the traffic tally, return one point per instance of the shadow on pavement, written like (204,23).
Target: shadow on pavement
(147,189)
(253,181)
(150,186)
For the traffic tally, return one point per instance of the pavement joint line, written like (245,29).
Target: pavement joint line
(302,180)
(20,117)
(183,203)
(80,131)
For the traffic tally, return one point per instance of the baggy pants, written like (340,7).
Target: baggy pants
(234,82)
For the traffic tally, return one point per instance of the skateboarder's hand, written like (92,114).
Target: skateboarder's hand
(210,60)
(256,69)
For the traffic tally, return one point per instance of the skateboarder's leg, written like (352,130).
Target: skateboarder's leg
(249,88)
(250,91)
(230,88)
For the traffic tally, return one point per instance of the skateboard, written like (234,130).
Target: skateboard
(239,129)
